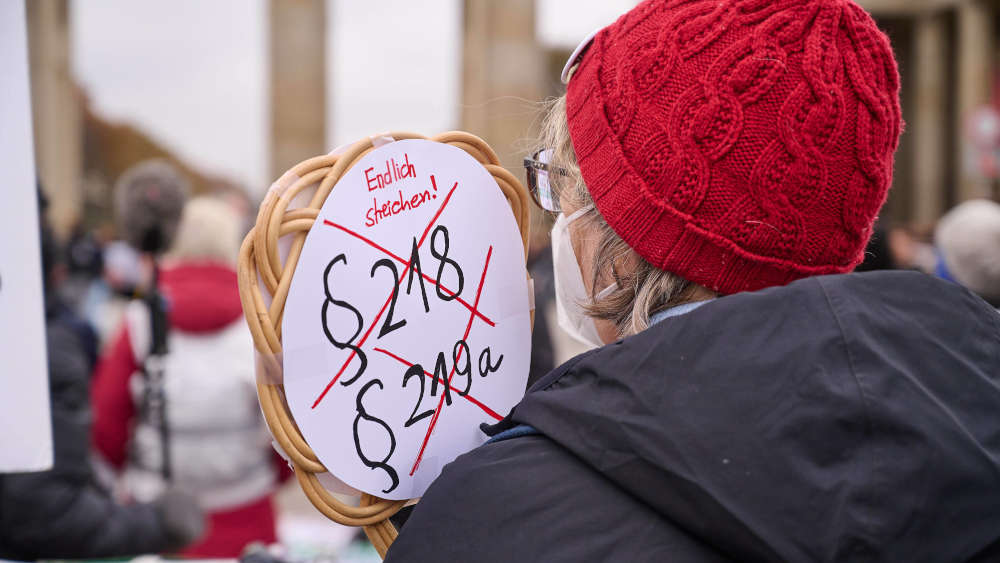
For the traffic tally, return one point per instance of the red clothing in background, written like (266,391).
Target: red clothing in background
(203,299)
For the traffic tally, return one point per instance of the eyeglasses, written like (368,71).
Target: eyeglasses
(537,169)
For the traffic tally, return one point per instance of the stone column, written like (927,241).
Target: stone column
(503,77)
(298,82)
(929,125)
(55,111)
(974,61)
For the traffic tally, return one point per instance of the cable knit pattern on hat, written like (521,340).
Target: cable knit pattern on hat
(739,143)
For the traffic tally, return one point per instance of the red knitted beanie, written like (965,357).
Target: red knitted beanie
(740,144)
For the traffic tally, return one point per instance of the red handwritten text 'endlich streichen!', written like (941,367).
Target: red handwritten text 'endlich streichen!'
(394,205)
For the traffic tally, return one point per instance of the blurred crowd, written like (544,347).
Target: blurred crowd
(963,247)
(160,446)
(129,480)
(146,340)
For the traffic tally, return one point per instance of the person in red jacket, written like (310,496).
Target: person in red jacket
(219,446)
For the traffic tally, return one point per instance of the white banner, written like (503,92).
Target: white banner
(25,426)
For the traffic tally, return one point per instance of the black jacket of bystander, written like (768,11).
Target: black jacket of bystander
(840,418)
(62,513)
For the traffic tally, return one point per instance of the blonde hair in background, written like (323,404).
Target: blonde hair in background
(642,289)
(209,231)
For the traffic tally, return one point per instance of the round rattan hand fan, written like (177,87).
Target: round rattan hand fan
(265,276)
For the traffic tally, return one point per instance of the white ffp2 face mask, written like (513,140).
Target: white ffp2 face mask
(571,293)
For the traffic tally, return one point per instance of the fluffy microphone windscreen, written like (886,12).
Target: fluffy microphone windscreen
(149,198)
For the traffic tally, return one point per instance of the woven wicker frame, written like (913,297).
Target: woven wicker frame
(261,264)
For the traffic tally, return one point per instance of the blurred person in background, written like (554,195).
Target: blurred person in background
(717,167)
(911,248)
(85,263)
(968,245)
(124,269)
(219,447)
(124,277)
(63,512)
(878,254)
(543,353)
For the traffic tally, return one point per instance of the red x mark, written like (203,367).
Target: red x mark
(388,300)
(469,398)
(468,328)
(406,263)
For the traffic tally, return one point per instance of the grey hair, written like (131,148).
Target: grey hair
(642,289)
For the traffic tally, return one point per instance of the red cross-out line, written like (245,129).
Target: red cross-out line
(468,397)
(406,263)
(387,301)
(468,328)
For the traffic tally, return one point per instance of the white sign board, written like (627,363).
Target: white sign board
(407,321)
(26,441)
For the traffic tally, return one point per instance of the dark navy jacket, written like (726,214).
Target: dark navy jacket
(62,512)
(841,418)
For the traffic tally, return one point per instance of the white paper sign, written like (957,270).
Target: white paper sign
(407,321)
(26,439)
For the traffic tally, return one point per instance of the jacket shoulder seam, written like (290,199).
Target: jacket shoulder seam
(865,401)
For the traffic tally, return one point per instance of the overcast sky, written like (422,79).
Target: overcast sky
(193,73)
